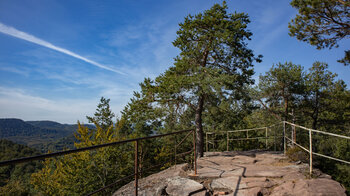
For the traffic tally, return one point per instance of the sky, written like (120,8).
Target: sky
(58,58)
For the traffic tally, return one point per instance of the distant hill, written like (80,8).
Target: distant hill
(14,127)
(52,125)
(43,135)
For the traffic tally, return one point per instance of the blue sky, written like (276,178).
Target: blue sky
(57,58)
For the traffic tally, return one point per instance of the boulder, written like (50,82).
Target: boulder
(182,186)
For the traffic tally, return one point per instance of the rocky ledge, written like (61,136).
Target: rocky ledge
(238,173)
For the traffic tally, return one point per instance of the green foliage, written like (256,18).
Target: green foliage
(297,154)
(41,135)
(281,87)
(318,83)
(14,180)
(14,188)
(321,23)
(103,115)
(318,101)
(84,172)
(214,64)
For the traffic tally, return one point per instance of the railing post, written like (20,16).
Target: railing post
(293,135)
(175,151)
(275,142)
(195,152)
(227,143)
(266,138)
(206,139)
(136,167)
(284,137)
(310,150)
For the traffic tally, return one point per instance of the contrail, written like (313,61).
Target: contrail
(30,38)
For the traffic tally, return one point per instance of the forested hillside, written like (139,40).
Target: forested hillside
(14,180)
(42,135)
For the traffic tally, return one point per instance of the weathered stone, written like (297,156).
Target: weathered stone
(244,160)
(238,173)
(182,186)
(313,187)
(247,183)
(247,192)
(233,172)
(218,193)
(208,172)
(264,171)
(201,193)
(230,183)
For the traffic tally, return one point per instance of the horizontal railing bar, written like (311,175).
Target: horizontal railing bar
(330,157)
(184,153)
(317,131)
(45,156)
(318,154)
(254,138)
(241,130)
(251,138)
(275,124)
(110,185)
(302,147)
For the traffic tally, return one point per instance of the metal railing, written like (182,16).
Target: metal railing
(310,151)
(275,136)
(248,137)
(136,141)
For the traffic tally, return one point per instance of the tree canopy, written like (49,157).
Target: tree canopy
(103,115)
(322,23)
(214,62)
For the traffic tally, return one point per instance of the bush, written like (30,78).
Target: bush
(297,154)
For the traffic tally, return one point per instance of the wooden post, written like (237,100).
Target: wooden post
(292,134)
(195,153)
(136,161)
(284,137)
(175,151)
(227,143)
(206,139)
(310,150)
(275,142)
(266,138)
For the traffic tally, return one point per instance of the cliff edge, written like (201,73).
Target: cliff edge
(253,173)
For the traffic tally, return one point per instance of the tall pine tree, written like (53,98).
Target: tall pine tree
(214,62)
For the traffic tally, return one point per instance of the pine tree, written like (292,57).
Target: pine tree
(280,87)
(322,23)
(103,115)
(214,62)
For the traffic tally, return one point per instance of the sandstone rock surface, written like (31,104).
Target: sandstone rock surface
(239,174)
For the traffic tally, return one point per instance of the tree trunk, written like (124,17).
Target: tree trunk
(199,127)
(285,109)
(315,114)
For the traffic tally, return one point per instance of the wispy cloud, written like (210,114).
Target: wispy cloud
(17,103)
(30,38)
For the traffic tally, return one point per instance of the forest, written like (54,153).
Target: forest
(210,89)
